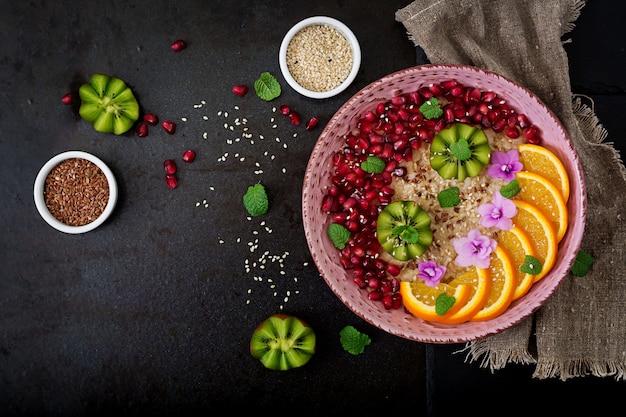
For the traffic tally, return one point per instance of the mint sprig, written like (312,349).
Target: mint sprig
(373,165)
(582,264)
(449,197)
(430,108)
(255,200)
(267,87)
(405,232)
(531,265)
(511,189)
(353,341)
(443,303)
(339,235)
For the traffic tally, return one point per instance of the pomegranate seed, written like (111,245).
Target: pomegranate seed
(240,90)
(170,166)
(511,132)
(189,156)
(178,45)
(171,181)
(311,123)
(393,269)
(531,133)
(375,296)
(142,130)
(169,126)
(151,119)
(295,118)
(67,99)
(285,110)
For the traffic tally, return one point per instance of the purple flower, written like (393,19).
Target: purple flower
(430,272)
(475,249)
(498,213)
(505,165)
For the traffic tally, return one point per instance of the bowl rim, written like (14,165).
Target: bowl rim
(341,27)
(38,192)
(434,332)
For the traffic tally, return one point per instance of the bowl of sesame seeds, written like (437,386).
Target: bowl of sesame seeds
(75,192)
(320,57)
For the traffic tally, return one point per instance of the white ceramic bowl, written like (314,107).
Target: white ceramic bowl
(347,33)
(40,202)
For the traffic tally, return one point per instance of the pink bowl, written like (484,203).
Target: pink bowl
(320,169)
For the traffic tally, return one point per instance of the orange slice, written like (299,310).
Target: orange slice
(419,299)
(480,282)
(542,161)
(541,232)
(539,191)
(518,245)
(503,284)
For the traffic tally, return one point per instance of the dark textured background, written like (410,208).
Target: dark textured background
(149,313)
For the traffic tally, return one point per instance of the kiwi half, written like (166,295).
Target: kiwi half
(459,151)
(403,230)
(282,342)
(109,104)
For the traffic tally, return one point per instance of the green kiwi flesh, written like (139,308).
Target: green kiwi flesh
(450,166)
(282,342)
(398,216)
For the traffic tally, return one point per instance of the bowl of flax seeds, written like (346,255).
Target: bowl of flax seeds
(75,192)
(319,57)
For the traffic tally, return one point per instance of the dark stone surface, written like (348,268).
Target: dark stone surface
(149,313)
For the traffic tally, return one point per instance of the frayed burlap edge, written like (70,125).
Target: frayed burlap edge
(576,368)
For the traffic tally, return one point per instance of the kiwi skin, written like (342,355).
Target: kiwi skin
(282,342)
(447,164)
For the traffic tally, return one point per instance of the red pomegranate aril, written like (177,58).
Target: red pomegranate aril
(240,90)
(393,269)
(425,92)
(511,132)
(151,119)
(339,217)
(398,100)
(360,282)
(189,156)
(370,116)
(327,203)
(374,283)
(488,96)
(522,121)
(375,296)
(499,125)
(294,117)
(170,166)
(169,126)
(285,110)
(457,91)
(142,130)
(352,226)
(67,99)
(436,89)
(448,85)
(311,123)
(380,108)
(531,133)
(171,180)
(178,45)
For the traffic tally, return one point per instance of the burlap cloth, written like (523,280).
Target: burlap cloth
(581,330)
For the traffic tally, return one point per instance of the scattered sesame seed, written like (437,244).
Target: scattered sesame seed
(184,119)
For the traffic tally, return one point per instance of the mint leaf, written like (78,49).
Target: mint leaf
(339,235)
(430,108)
(255,200)
(531,265)
(406,233)
(443,303)
(449,197)
(582,264)
(353,341)
(461,149)
(373,165)
(267,87)
(511,189)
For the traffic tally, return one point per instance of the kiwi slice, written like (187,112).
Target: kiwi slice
(459,151)
(283,342)
(403,230)
(109,104)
